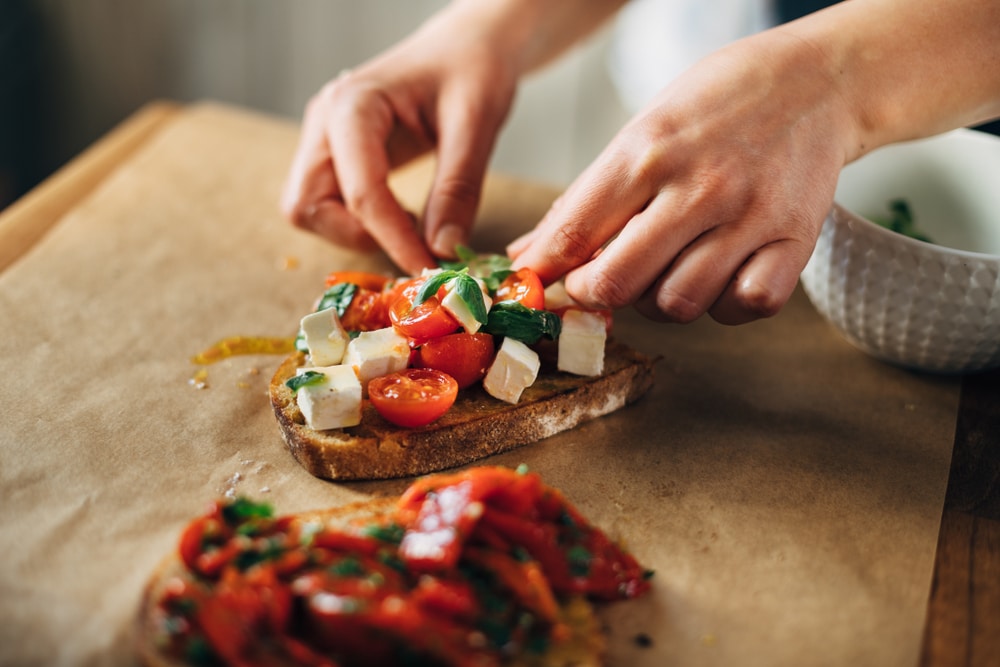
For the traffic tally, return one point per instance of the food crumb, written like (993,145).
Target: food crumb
(708,640)
(642,640)
(265,489)
(289,262)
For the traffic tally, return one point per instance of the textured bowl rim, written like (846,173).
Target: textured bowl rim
(903,238)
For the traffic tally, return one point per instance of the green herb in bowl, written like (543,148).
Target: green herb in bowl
(901,220)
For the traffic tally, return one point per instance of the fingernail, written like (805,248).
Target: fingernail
(448,237)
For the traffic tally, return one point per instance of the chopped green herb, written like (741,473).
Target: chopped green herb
(579,558)
(515,320)
(198,652)
(304,379)
(901,220)
(479,265)
(391,533)
(243,509)
(348,567)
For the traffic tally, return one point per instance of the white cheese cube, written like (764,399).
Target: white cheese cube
(581,343)
(514,369)
(557,297)
(454,304)
(325,337)
(376,353)
(335,402)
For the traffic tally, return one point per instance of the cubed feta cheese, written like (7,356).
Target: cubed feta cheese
(581,343)
(514,369)
(376,353)
(455,305)
(325,337)
(335,402)
(557,297)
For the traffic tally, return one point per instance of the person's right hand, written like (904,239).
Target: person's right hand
(447,88)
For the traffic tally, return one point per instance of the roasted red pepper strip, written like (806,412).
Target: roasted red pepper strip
(465,555)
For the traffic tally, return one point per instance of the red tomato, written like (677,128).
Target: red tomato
(423,322)
(371,281)
(464,356)
(413,397)
(366,312)
(523,286)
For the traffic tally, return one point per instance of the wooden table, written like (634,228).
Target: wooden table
(963,617)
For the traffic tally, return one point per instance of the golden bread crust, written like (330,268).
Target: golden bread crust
(476,427)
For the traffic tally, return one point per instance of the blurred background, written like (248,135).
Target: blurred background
(70,70)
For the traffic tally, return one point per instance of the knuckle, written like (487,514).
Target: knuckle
(463,191)
(364,203)
(608,290)
(570,244)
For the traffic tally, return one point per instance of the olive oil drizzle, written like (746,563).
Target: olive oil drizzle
(237,345)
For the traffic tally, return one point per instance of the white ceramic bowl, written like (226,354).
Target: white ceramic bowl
(925,306)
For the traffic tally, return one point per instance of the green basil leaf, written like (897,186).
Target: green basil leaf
(468,291)
(432,285)
(494,279)
(303,380)
(480,266)
(517,321)
(339,297)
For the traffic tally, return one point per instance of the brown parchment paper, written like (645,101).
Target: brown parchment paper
(786,488)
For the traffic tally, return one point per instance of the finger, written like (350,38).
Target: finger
(359,143)
(763,285)
(311,175)
(699,274)
(330,220)
(591,212)
(636,258)
(463,154)
(517,247)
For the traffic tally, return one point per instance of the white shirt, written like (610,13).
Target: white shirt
(655,40)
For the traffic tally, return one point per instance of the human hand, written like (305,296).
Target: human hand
(445,88)
(711,199)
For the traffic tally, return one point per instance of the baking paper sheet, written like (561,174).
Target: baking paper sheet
(786,488)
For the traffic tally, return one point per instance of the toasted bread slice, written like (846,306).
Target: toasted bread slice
(476,427)
(585,646)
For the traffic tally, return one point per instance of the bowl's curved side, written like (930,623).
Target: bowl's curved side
(907,303)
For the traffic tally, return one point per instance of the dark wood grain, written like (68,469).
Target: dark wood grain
(963,614)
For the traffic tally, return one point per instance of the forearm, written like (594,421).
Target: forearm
(909,68)
(529,33)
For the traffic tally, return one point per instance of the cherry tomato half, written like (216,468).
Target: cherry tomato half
(413,397)
(423,322)
(366,312)
(464,356)
(371,281)
(523,286)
